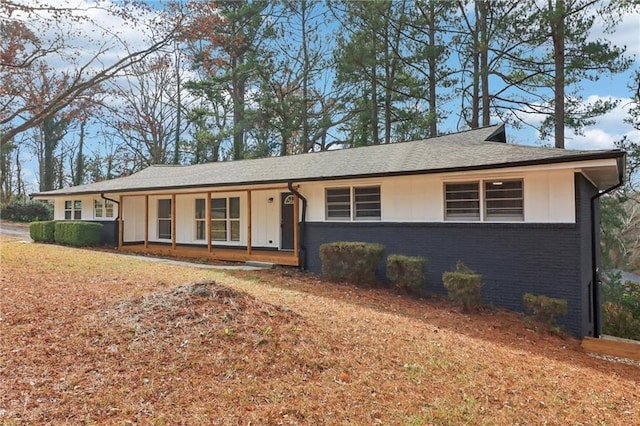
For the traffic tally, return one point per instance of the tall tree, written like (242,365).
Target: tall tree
(376,60)
(428,33)
(143,110)
(292,79)
(483,46)
(560,56)
(38,32)
(227,42)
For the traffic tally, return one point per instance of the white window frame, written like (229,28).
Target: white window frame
(228,220)
(165,219)
(200,220)
(354,205)
(104,207)
(483,200)
(501,186)
(464,198)
(335,202)
(73,210)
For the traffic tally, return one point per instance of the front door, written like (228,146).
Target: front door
(286,221)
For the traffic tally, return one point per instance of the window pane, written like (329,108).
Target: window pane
(462,201)
(339,203)
(504,200)
(164,208)
(67,205)
(97,205)
(77,210)
(109,209)
(219,230)
(367,202)
(201,230)
(67,214)
(200,208)
(164,228)
(234,208)
(235,230)
(219,208)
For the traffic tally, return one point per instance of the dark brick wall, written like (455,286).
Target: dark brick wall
(109,232)
(584,191)
(549,259)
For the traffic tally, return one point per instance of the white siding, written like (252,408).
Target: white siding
(133,218)
(186,218)
(549,196)
(265,218)
(87,207)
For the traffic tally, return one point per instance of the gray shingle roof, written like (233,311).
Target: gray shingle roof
(468,150)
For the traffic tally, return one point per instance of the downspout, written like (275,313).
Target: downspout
(595,277)
(117,219)
(302,250)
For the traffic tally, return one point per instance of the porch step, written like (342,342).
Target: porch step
(256,264)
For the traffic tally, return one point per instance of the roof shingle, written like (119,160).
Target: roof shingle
(468,150)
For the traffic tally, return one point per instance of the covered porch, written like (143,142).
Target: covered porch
(286,258)
(234,224)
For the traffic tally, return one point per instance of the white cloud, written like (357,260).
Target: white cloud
(625,32)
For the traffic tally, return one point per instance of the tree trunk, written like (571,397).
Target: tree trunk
(433,67)
(557,34)
(484,61)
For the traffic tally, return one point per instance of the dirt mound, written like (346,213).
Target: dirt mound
(199,311)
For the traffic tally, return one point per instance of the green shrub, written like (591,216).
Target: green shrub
(463,286)
(406,272)
(620,307)
(79,234)
(544,309)
(351,261)
(43,231)
(26,212)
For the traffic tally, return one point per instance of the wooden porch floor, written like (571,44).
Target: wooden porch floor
(287,258)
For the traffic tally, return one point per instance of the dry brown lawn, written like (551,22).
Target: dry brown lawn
(96,338)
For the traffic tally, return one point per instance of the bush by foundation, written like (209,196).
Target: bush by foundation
(350,261)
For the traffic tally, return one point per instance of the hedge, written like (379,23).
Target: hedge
(406,272)
(351,261)
(463,286)
(26,212)
(79,234)
(543,308)
(42,231)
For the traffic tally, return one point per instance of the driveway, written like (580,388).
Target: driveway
(15,229)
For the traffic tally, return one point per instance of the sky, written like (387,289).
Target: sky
(603,135)
(610,127)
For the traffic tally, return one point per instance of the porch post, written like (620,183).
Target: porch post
(146,221)
(173,221)
(120,222)
(296,230)
(207,204)
(249,222)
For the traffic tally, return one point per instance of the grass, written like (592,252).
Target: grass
(96,338)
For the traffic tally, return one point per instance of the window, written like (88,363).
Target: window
(462,201)
(339,203)
(502,200)
(225,219)
(201,220)
(164,219)
(366,203)
(102,208)
(73,210)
